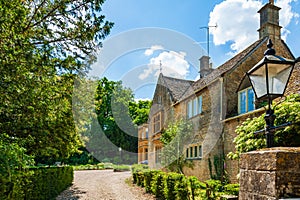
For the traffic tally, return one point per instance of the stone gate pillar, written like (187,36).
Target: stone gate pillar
(270,174)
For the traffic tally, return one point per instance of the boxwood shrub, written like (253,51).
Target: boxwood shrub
(39,183)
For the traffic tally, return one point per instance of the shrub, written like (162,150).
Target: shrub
(157,185)
(121,168)
(232,189)
(39,183)
(139,167)
(48,182)
(148,178)
(140,179)
(169,185)
(212,187)
(195,186)
(182,188)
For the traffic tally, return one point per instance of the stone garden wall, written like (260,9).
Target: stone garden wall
(270,174)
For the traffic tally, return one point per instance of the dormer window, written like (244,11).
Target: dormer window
(246,101)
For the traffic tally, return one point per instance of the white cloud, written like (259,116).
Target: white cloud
(286,15)
(153,48)
(238,21)
(173,64)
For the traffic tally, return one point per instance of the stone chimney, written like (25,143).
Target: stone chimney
(269,21)
(205,66)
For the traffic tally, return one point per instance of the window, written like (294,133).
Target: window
(190,109)
(187,153)
(146,133)
(191,152)
(159,99)
(200,151)
(157,122)
(199,104)
(194,107)
(246,100)
(194,152)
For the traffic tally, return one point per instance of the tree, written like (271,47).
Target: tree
(44,46)
(118,115)
(139,111)
(286,111)
(175,139)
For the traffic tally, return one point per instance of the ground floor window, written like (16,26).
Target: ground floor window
(194,151)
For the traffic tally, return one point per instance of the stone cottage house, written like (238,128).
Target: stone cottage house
(216,103)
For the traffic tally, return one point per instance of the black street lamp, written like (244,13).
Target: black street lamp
(269,79)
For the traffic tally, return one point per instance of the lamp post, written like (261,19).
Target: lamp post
(269,79)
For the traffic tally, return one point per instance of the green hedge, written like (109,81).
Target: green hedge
(37,183)
(174,186)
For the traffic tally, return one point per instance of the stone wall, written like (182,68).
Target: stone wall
(270,174)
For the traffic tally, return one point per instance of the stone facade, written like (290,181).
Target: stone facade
(214,127)
(143,136)
(270,174)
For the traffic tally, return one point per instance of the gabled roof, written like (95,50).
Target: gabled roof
(226,67)
(230,64)
(176,87)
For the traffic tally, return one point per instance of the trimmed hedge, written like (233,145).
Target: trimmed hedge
(39,183)
(174,186)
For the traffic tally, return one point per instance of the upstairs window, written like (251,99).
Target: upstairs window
(146,133)
(194,107)
(157,122)
(246,100)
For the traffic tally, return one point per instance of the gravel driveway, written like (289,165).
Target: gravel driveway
(103,184)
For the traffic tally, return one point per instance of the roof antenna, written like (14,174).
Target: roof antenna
(207,28)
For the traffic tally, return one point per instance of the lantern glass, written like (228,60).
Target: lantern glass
(270,77)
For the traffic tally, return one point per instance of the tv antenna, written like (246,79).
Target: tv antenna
(207,28)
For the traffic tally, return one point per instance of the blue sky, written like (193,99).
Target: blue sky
(166,36)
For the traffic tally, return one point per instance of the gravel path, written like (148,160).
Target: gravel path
(103,185)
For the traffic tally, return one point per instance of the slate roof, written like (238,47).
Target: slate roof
(227,66)
(176,87)
(181,89)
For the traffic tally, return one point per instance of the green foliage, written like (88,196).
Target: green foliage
(177,186)
(169,187)
(195,186)
(117,114)
(121,168)
(140,179)
(139,111)
(212,187)
(13,164)
(44,46)
(98,166)
(175,138)
(157,184)
(40,183)
(139,167)
(82,157)
(232,189)
(286,111)
(149,178)
(182,188)
(219,172)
